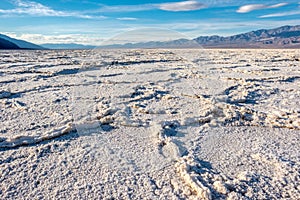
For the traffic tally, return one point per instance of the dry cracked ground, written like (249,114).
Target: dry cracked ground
(150,124)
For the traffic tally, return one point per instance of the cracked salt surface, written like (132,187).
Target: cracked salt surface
(226,130)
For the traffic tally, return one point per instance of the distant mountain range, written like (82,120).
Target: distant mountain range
(180,43)
(11,43)
(67,46)
(282,37)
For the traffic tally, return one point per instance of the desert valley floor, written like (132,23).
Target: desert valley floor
(150,124)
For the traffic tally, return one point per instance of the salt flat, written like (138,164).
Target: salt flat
(150,124)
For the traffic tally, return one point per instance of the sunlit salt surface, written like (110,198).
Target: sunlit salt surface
(236,135)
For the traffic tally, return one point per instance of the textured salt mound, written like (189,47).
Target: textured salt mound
(255,163)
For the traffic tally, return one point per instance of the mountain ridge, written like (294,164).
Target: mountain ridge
(67,46)
(22,44)
(5,44)
(280,37)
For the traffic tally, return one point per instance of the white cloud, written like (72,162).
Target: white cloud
(65,38)
(127,18)
(169,6)
(249,8)
(32,8)
(278,5)
(252,7)
(283,14)
(126,8)
(181,6)
(36,9)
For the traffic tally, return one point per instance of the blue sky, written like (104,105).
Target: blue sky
(92,21)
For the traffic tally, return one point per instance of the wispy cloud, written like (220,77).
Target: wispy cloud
(126,8)
(127,18)
(66,38)
(278,5)
(252,7)
(168,6)
(37,9)
(283,14)
(181,6)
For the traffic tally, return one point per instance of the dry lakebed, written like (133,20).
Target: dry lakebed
(150,124)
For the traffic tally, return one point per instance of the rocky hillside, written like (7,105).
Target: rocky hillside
(21,44)
(282,37)
(4,44)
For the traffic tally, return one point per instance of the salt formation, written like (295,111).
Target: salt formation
(230,136)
